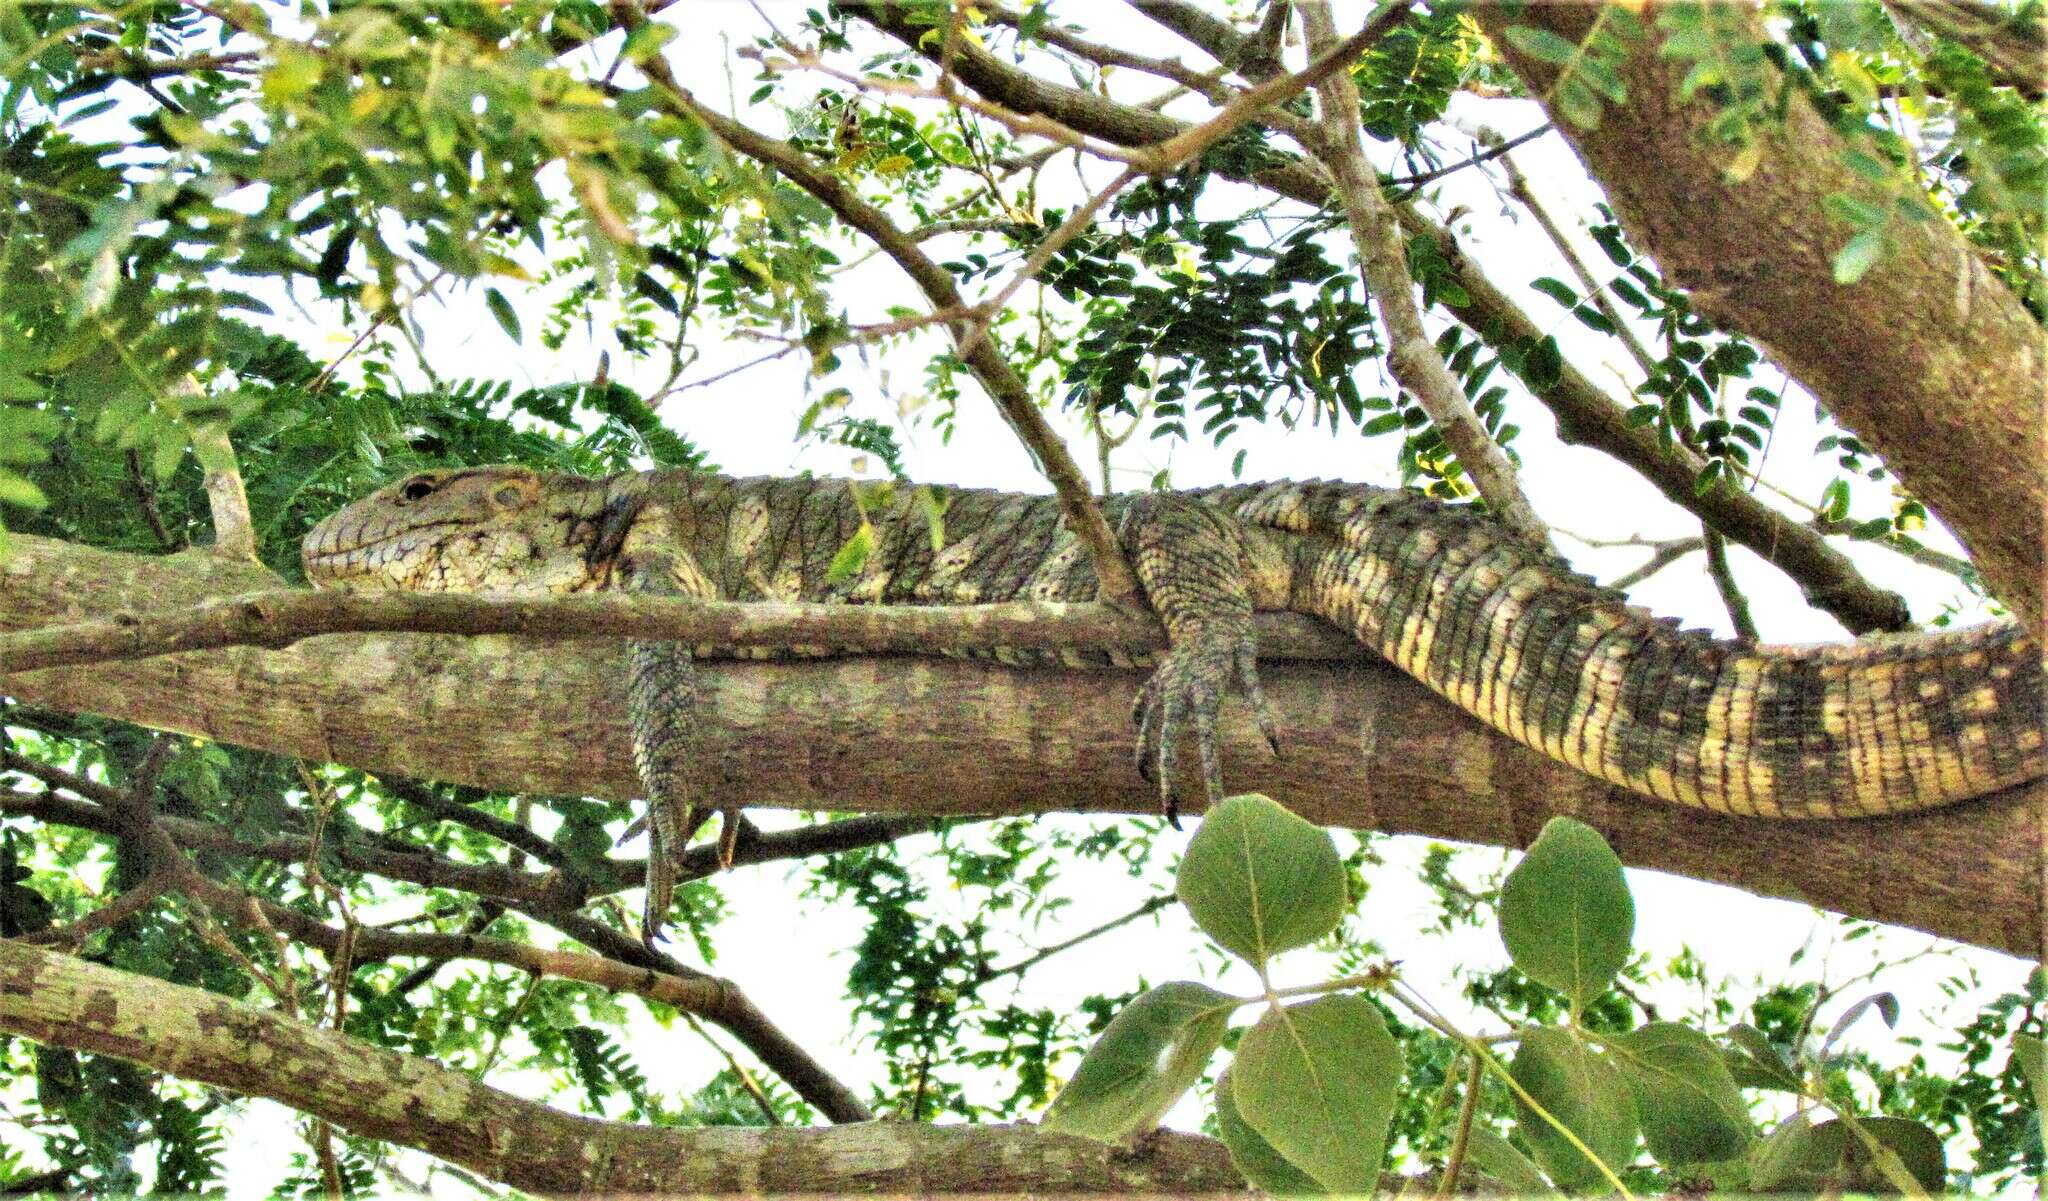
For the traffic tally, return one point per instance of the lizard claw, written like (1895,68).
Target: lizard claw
(729,823)
(1248,675)
(661,884)
(1185,694)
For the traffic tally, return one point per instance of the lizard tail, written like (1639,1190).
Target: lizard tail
(1509,633)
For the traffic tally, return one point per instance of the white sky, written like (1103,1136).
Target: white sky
(791,957)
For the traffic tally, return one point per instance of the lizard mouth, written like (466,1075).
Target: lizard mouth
(356,562)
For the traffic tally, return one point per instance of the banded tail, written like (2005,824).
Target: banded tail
(1510,634)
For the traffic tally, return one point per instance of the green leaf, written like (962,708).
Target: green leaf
(2032,1056)
(650,287)
(15,490)
(1585,1092)
(1497,1157)
(1857,256)
(1834,500)
(1577,102)
(1318,1081)
(164,460)
(1917,1147)
(1758,1064)
(1685,1097)
(1260,880)
(1150,1053)
(852,556)
(501,309)
(1601,77)
(1856,211)
(1797,1150)
(1542,43)
(1261,1163)
(1556,289)
(1385,423)
(646,42)
(1807,1156)
(1565,911)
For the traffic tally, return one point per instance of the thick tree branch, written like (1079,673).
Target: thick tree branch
(284,616)
(1929,357)
(1367,748)
(378,1093)
(1586,415)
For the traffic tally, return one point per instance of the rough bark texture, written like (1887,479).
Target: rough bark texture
(1366,747)
(382,1094)
(1929,358)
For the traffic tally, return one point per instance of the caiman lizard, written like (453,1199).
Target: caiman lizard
(1503,629)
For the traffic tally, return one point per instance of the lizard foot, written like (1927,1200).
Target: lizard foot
(1186,692)
(663,866)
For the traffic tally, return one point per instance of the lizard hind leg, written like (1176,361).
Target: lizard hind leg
(1194,563)
(661,706)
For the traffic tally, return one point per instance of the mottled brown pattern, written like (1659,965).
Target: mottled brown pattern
(1503,629)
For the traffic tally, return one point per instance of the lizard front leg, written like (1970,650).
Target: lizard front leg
(661,706)
(1196,568)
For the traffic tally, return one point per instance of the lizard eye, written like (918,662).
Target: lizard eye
(509,496)
(419,489)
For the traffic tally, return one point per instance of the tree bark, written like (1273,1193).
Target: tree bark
(1929,358)
(379,1093)
(1366,747)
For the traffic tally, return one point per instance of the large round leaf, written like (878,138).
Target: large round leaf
(1260,880)
(1807,1156)
(1148,1055)
(1317,1081)
(1690,1108)
(1565,911)
(1585,1092)
(1262,1164)
(1497,1157)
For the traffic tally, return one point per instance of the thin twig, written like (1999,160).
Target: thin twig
(1152,905)
(1724,582)
(1486,155)
(1475,1072)
(1664,556)
(739,1071)
(145,498)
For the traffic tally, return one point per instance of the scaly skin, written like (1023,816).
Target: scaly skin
(1504,630)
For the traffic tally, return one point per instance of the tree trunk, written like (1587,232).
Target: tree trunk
(1365,747)
(378,1093)
(1929,358)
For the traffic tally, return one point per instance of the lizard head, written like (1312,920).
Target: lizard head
(480,529)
